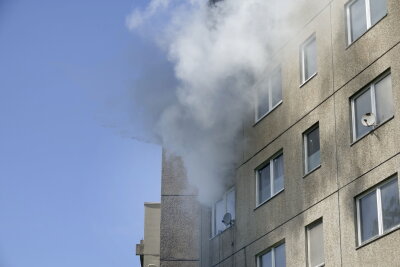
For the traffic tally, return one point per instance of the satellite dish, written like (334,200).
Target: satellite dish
(227,220)
(368,119)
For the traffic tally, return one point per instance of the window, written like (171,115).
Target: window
(315,244)
(308,58)
(311,149)
(275,257)
(270,95)
(378,210)
(376,99)
(221,207)
(362,15)
(270,179)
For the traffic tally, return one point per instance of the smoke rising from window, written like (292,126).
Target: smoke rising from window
(217,54)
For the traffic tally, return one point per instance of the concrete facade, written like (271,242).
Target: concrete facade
(180,217)
(149,247)
(329,192)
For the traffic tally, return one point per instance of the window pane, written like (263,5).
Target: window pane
(278,173)
(378,10)
(280,258)
(368,216)
(310,59)
(316,244)
(390,205)
(230,202)
(358,19)
(384,99)
(262,100)
(219,215)
(362,105)
(276,88)
(266,260)
(264,184)
(313,154)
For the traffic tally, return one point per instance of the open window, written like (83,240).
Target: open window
(223,206)
(312,158)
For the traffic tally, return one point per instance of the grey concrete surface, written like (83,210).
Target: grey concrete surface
(180,217)
(351,60)
(346,169)
(180,228)
(384,251)
(174,180)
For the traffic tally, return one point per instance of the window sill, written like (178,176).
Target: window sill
(266,114)
(311,171)
(220,233)
(309,79)
(269,199)
(394,229)
(352,42)
(372,130)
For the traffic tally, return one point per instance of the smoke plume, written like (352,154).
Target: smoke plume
(217,53)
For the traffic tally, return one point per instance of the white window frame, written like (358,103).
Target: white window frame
(213,215)
(348,19)
(381,231)
(272,250)
(309,40)
(305,147)
(308,227)
(371,87)
(269,162)
(258,117)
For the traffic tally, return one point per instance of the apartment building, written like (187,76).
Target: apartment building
(149,248)
(317,184)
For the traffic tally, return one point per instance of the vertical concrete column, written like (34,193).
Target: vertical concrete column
(180,216)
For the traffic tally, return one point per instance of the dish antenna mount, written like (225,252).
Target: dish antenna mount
(368,119)
(227,220)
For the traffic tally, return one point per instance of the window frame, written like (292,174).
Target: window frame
(269,162)
(381,231)
(370,86)
(305,148)
(309,40)
(368,17)
(213,215)
(272,250)
(259,117)
(308,228)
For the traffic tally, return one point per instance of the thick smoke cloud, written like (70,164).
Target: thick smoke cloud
(219,53)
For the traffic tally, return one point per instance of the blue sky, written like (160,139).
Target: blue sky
(71,187)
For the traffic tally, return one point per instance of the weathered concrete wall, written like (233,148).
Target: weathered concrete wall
(151,234)
(349,61)
(300,192)
(180,217)
(346,170)
(373,149)
(384,251)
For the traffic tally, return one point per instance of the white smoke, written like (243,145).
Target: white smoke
(138,17)
(218,53)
